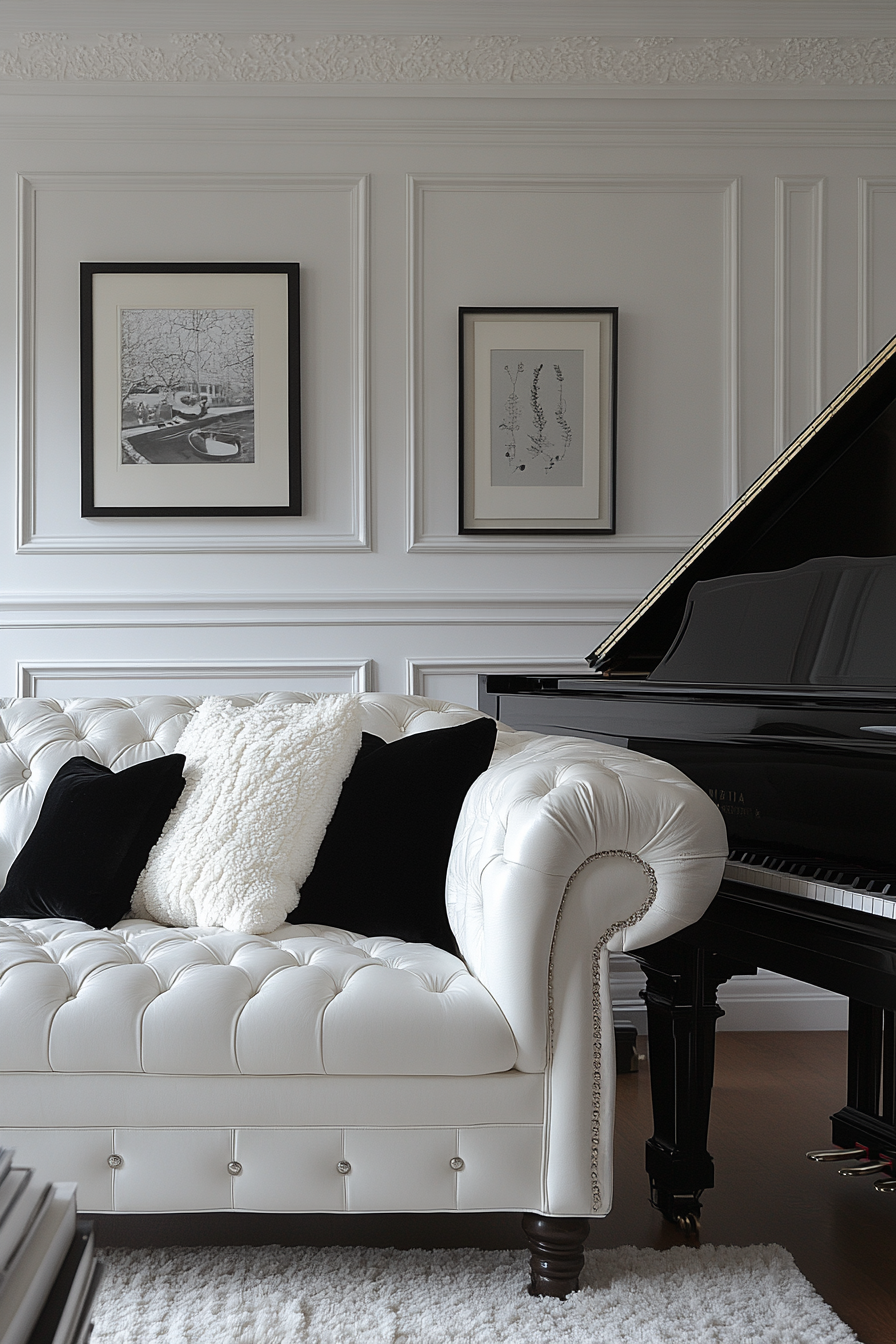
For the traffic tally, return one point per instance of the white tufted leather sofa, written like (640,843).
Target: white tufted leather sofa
(317,1070)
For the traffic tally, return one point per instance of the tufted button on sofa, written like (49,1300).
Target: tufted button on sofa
(314,1069)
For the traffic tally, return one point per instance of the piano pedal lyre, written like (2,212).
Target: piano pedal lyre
(834,1154)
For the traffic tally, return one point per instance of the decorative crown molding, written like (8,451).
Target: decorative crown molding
(586,61)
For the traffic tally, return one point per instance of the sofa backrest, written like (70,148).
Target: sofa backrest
(38,736)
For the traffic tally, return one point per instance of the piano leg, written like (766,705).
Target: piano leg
(869,1116)
(681,1017)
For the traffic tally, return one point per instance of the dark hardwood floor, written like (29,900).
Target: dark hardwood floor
(773,1095)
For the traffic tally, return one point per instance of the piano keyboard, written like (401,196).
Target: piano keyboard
(869,892)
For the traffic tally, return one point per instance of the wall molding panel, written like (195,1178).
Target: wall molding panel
(249,610)
(43,679)
(294,127)
(799,305)
(877,311)
(418,185)
(418,669)
(30,540)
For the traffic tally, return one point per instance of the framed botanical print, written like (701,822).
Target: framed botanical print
(190,389)
(537,420)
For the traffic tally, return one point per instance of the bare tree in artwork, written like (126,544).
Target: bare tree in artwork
(175,347)
(187,386)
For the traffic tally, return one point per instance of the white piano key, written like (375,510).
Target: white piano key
(847,898)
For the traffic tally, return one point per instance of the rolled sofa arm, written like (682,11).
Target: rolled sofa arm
(564,851)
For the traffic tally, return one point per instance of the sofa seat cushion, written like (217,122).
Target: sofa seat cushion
(305,999)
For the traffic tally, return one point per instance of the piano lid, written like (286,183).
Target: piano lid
(832,492)
(829,622)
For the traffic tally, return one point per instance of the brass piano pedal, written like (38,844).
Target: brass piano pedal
(834,1154)
(887,1186)
(866,1169)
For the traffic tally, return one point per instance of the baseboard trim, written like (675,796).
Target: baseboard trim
(762,1002)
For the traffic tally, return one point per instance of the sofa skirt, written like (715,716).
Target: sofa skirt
(150,1144)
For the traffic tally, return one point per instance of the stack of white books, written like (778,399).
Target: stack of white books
(48,1274)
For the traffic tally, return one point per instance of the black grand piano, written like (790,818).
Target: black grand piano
(764,666)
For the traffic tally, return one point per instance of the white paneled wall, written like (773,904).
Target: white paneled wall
(60,681)
(761,1002)
(745,230)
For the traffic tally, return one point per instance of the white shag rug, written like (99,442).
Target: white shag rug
(361,1295)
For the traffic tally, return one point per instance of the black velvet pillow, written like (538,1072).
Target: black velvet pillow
(382,865)
(91,841)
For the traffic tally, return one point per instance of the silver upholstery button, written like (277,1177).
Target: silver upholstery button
(235,1168)
(26,773)
(456,1164)
(343,1167)
(115,1161)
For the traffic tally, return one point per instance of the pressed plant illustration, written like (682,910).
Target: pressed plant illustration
(540,445)
(511,422)
(560,417)
(536,409)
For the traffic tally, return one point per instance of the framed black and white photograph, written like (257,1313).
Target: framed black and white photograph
(537,420)
(190,389)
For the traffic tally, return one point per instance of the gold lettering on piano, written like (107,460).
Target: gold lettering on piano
(732,803)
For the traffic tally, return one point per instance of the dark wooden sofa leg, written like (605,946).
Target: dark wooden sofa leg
(557,1253)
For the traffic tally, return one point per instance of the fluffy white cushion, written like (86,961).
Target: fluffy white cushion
(261,785)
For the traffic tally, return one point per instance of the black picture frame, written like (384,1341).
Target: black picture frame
(585,502)
(244,460)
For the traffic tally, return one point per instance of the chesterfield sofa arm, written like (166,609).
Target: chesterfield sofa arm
(565,851)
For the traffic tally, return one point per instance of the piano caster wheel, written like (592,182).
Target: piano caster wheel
(689,1224)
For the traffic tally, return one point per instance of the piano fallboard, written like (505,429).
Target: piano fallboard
(794,771)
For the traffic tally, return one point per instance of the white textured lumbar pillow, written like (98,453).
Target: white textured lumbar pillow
(261,786)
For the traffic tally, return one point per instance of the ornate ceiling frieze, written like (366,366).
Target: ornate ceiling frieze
(431,60)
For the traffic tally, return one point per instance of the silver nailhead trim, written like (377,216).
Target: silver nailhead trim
(235,1168)
(343,1167)
(595,993)
(115,1161)
(456,1164)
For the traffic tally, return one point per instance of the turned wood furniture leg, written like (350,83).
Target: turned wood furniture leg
(557,1253)
(681,1018)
